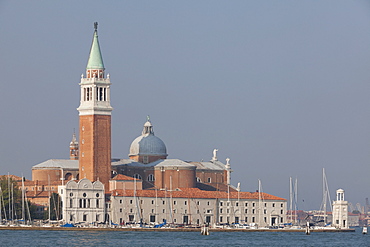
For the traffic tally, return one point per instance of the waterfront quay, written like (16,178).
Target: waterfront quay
(169,229)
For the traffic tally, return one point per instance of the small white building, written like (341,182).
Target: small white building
(83,201)
(340,211)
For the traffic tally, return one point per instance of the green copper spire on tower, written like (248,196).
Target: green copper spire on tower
(95,58)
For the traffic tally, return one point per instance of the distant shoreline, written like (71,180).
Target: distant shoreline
(166,229)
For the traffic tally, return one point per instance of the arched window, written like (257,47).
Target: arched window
(151,178)
(68,176)
(198,180)
(137,176)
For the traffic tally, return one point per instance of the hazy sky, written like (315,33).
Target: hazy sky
(282,88)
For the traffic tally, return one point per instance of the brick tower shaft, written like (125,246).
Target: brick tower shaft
(95,119)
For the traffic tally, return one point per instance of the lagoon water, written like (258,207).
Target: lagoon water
(125,238)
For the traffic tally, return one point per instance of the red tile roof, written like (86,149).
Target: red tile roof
(197,193)
(39,194)
(13,177)
(124,178)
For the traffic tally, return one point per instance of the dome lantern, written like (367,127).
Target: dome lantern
(147,148)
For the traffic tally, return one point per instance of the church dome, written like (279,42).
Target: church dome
(148,144)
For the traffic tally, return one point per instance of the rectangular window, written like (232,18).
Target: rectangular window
(84,217)
(220,218)
(236,220)
(253,204)
(246,219)
(152,218)
(186,219)
(246,210)
(185,202)
(70,203)
(145,159)
(237,204)
(120,201)
(246,204)
(97,203)
(130,201)
(174,202)
(221,203)
(253,219)
(208,219)
(131,217)
(97,217)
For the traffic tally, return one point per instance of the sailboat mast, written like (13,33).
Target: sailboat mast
(324,193)
(23,213)
(296,199)
(49,196)
(259,204)
(291,199)
(9,199)
(3,205)
(14,214)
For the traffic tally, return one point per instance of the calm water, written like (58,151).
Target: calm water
(95,238)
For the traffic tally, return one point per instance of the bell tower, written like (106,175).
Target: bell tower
(95,118)
(73,148)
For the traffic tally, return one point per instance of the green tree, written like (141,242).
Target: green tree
(10,198)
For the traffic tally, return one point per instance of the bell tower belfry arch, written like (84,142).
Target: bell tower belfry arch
(95,118)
